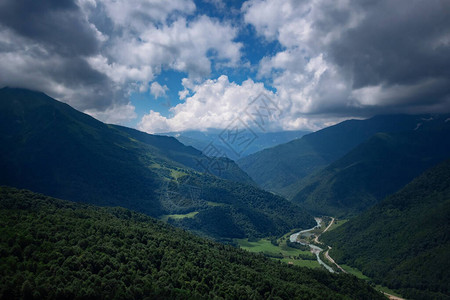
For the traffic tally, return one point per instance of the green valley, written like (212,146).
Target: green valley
(403,242)
(47,146)
(279,249)
(235,150)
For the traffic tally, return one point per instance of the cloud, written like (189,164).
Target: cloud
(57,25)
(157,90)
(407,98)
(355,58)
(183,46)
(137,13)
(44,45)
(220,103)
(396,48)
(94,53)
(34,57)
(116,114)
(331,59)
(214,103)
(219,4)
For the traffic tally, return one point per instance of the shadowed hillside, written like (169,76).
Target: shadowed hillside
(49,147)
(404,241)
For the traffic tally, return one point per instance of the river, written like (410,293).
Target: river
(314,249)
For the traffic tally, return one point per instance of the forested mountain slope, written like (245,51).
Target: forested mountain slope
(56,249)
(375,169)
(49,147)
(279,169)
(404,241)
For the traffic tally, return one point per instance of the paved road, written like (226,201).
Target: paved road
(392,297)
(328,227)
(327,255)
(332,260)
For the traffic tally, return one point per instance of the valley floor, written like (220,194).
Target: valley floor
(279,249)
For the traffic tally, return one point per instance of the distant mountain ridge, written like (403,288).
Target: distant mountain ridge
(47,146)
(262,140)
(403,242)
(375,169)
(281,168)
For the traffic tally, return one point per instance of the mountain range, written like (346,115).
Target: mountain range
(281,169)
(390,175)
(48,147)
(203,140)
(375,169)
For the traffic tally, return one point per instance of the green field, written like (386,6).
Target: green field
(282,251)
(165,218)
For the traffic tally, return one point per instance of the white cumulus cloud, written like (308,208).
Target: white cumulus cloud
(214,104)
(158,90)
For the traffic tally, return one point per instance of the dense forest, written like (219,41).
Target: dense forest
(57,249)
(241,210)
(404,241)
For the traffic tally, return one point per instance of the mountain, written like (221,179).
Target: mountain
(403,241)
(258,141)
(54,249)
(375,169)
(47,146)
(190,157)
(279,169)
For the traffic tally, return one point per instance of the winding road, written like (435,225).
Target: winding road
(332,260)
(328,227)
(315,250)
(327,255)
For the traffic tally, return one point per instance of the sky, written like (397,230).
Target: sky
(177,65)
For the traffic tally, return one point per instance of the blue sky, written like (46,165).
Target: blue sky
(254,48)
(192,65)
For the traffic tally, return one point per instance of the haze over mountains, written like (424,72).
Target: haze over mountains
(262,140)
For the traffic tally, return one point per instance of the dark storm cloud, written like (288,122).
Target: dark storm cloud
(43,46)
(401,49)
(57,24)
(397,42)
